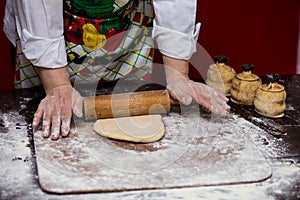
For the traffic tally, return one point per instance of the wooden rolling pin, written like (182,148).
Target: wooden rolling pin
(127,104)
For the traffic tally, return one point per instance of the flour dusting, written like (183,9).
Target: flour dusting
(217,139)
(15,158)
(194,151)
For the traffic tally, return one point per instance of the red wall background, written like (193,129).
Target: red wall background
(6,75)
(263,33)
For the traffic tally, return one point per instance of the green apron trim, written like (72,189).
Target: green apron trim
(96,8)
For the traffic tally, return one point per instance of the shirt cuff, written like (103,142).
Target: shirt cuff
(44,52)
(176,44)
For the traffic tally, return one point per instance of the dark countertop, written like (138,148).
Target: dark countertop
(279,142)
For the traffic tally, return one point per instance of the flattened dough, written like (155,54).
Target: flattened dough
(143,129)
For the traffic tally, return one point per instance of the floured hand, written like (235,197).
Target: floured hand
(184,90)
(55,111)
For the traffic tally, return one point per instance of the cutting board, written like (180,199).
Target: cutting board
(195,151)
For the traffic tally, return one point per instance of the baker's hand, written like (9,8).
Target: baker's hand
(55,111)
(185,90)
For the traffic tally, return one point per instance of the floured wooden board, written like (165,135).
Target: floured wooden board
(194,152)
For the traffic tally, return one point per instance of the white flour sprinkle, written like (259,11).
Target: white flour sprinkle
(17,178)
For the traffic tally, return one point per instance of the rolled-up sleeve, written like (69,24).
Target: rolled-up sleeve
(39,25)
(175,29)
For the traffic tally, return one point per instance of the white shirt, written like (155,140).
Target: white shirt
(39,23)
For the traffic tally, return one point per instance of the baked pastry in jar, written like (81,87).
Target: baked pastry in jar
(220,75)
(244,86)
(270,98)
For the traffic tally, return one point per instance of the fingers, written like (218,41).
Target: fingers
(56,119)
(77,103)
(185,90)
(220,100)
(55,111)
(51,116)
(179,94)
(210,98)
(66,114)
(202,98)
(38,116)
(46,124)
(55,125)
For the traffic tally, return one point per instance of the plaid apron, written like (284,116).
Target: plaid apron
(105,40)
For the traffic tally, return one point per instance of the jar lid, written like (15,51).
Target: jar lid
(247,76)
(221,59)
(247,67)
(221,68)
(272,87)
(272,78)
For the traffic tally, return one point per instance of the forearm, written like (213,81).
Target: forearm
(175,68)
(53,78)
